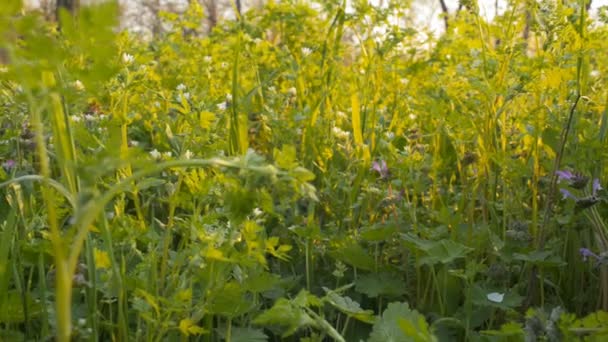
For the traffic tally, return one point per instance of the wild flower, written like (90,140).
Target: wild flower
(339,133)
(587,253)
(575,180)
(9,165)
(78,85)
(222,105)
(127,58)
(292,91)
(155,154)
(382,169)
(306,51)
(188,154)
(578,181)
(181,87)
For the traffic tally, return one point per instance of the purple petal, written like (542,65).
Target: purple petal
(586,253)
(9,164)
(596,186)
(567,194)
(376,167)
(384,167)
(567,175)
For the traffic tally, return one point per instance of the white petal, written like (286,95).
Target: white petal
(496,297)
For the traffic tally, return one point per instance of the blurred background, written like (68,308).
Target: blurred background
(141,16)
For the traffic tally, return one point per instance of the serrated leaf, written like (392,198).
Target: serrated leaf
(353,254)
(400,324)
(380,284)
(285,315)
(348,306)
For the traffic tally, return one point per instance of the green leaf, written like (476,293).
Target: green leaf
(245,335)
(348,306)
(401,324)
(541,258)
(230,301)
(287,316)
(353,254)
(442,251)
(380,284)
(285,158)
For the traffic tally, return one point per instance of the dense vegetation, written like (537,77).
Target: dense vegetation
(296,175)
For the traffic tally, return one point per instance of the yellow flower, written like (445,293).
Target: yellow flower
(102,260)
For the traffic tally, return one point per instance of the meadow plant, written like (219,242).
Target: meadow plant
(300,175)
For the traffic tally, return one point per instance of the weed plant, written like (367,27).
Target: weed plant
(296,175)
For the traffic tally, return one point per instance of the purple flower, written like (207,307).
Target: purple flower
(567,194)
(382,169)
(586,253)
(575,180)
(9,164)
(596,186)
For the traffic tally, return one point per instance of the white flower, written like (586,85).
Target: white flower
(306,51)
(82,321)
(228,97)
(496,297)
(272,89)
(188,154)
(134,143)
(181,87)
(339,133)
(412,116)
(404,81)
(222,106)
(595,73)
(155,154)
(292,91)
(76,118)
(90,117)
(167,155)
(340,114)
(257,212)
(224,65)
(207,59)
(183,97)
(78,85)
(389,135)
(127,58)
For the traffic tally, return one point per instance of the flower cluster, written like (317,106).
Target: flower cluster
(579,181)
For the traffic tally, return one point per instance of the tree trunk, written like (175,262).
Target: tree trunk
(444,9)
(69,5)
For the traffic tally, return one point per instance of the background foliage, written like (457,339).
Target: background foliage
(290,176)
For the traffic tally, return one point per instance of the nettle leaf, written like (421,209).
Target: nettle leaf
(230,301)
(239,334)
(353,254)
(442,251)
(348,306)
(541,258)
(380,284)
(401,324)
(286,316)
